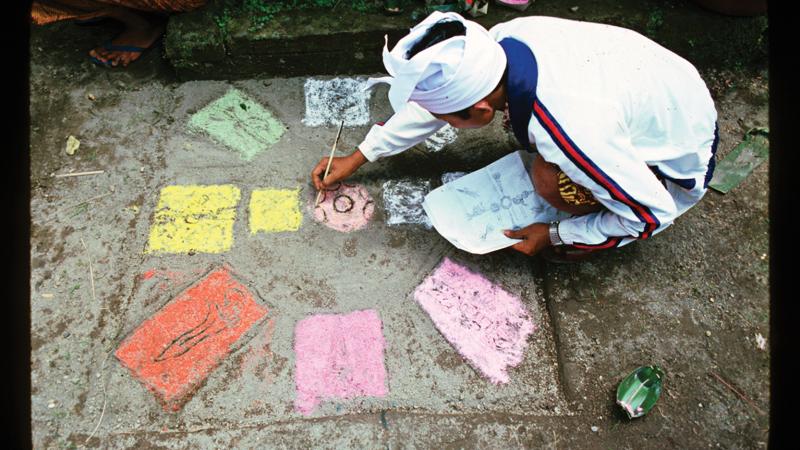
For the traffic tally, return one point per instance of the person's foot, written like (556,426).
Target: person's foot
(392,7)
(141,32)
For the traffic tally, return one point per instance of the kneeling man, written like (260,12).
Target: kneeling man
(623,129)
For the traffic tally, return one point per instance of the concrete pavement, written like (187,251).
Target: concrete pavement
(692,299)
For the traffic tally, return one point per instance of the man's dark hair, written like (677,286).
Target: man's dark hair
(438,32)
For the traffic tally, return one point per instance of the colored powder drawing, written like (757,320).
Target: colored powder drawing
(194,219)
(328,102)
(345,207)
(174,351)
(259,360)
(338,356)
(239,123)
(169,278)
(446,135)
(487,325)
(275,210)
(452,176)
(403,202)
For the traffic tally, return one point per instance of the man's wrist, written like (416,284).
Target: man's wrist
(358,157)
(555,238)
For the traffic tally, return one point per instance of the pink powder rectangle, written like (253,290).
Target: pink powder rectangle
(487,325)
(338,356)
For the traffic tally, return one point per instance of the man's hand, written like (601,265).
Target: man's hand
(341,168)
(535,237)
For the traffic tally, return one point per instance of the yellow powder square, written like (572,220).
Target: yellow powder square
(273,210)
(194,219)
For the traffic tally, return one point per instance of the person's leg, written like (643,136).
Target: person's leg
(44,12)
(564,195)
(141,30)
(144,20)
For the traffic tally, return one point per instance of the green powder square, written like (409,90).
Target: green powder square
(239,123)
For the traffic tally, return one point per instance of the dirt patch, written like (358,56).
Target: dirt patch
(350,248)
(316,293)
(449,360)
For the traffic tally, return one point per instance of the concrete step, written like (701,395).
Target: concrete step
(220,41)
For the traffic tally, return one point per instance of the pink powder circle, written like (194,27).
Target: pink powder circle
(345,208)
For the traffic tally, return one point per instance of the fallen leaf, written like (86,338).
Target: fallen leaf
(72,145)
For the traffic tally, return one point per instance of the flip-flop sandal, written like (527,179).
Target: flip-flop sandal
(99,62)
(122,48)
(392,7)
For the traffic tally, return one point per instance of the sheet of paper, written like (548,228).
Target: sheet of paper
(472,211)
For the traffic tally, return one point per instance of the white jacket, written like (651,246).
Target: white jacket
(611,108)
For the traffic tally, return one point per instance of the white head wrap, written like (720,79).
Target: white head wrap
(447,77)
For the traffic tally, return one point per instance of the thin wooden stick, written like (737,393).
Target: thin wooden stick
(78,174)
(91,271)
(330,159)
(90,200)
(742,396)
(105,400)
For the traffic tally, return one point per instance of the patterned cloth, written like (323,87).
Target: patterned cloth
(48,11)
(574,194)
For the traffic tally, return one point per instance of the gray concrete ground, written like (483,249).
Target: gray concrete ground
(691,300)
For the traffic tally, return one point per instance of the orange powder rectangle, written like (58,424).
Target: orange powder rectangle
(173,352)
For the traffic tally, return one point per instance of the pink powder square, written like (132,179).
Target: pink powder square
(338,356)
(487,325)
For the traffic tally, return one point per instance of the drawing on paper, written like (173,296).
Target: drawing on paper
(472,211)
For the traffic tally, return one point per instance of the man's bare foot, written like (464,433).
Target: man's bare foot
(140,32)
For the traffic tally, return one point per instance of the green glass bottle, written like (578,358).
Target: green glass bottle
(639,391)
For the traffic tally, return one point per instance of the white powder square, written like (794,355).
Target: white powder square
(328,102)
(403,202)
(441,138)
(452,176)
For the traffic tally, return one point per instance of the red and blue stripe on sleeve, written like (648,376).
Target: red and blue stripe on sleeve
(588,167)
